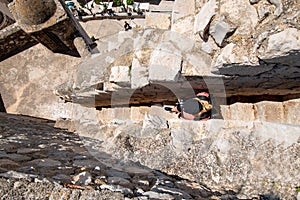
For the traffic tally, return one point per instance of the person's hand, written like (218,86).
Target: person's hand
(169,109)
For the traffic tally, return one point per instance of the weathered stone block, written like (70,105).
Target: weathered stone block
(106,115)
(139,74)
(291,112)
(242,111)
(122,113)
(180,26)
(198,64)
(279,7)
(179,41)
(225,111)
(209,46)
(63,123)
(164,65)
(120,75)
(152,125)
(269,111)
(182,9)
(283,44)
(138,113)
(158,20)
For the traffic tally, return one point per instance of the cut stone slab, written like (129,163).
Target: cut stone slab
(139,74)
(180,26)
(231,61)
(165,65)
(197,64)
(120,75)
(182,9)
(122,113)
(180,42)
(291,111)
(158,20)
(209,46)
(242,112)
(138,113)
(225,111)
(269,111)
(152,124)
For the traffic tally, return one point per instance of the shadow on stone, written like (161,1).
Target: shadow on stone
(2,106)
(32,149)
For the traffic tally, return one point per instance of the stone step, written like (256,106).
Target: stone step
(109,115)
(264,111)
(279,112)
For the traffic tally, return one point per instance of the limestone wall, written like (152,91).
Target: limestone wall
(239,48)
(188,54)
(243,158)
(277,112)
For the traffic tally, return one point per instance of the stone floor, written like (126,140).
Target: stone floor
(38,161)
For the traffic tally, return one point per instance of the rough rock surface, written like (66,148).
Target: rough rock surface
(215,159)
(244,48)
(243,158)
(260,56)
(38,161)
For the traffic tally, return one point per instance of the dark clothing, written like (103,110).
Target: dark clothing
(127,26)
(193,106)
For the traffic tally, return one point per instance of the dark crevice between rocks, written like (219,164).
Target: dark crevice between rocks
(2,106)
(258,98)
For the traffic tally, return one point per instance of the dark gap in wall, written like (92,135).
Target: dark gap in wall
(2,107)
(258,98)
(164,95)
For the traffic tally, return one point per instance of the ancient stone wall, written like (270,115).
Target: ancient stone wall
(240,157)
(246,63)
(238,48)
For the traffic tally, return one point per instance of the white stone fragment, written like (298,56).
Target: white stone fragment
(219,31)
(120,74)
(165,63)
(84,178)
(203,18)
